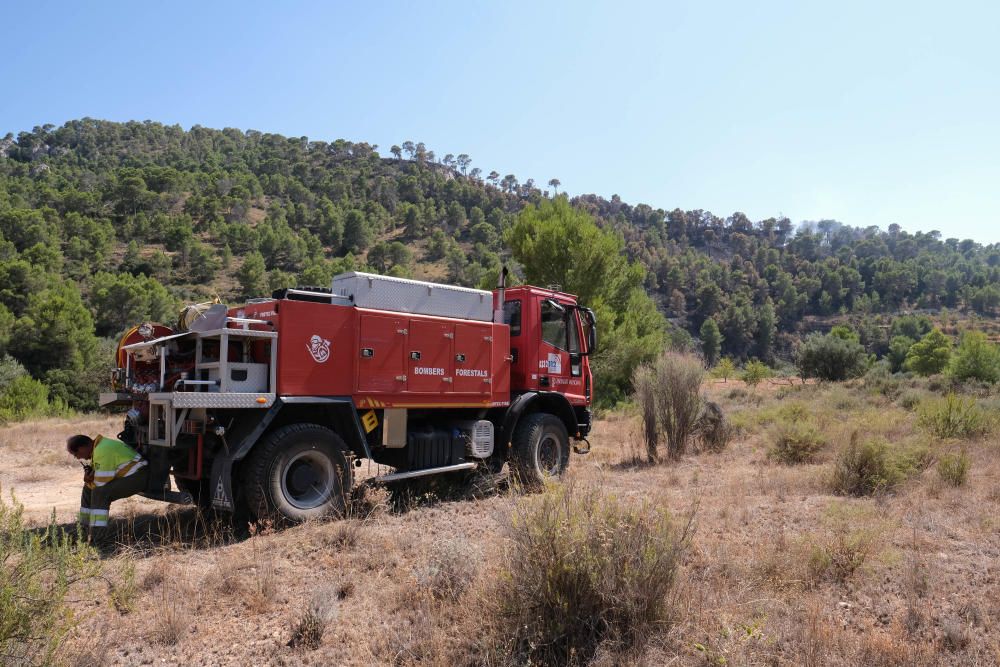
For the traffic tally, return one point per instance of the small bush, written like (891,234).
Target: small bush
(841,555)
(954,468)
(976,358)
(831,358)
(755,372)
(879,380)
(38,570)
(679,378)
(10,370)
(848,544)
(22,399)
(451,567)
(910,399)
(582,569)
(713,429)
(796,442)
(667,392)
(930,355)
(954,417)
(864,469)
(725,369)
(308,631)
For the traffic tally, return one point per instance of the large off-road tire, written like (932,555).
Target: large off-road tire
(298,472)
(541,449)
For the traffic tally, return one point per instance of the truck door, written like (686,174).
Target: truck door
(560,364)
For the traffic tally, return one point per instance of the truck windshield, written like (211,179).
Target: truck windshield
(554,324)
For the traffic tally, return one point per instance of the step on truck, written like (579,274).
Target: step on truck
(269,406)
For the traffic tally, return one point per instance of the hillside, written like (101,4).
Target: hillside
(106,224)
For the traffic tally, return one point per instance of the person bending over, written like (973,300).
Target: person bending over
(114,471)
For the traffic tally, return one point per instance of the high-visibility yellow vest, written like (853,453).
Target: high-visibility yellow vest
(114,459)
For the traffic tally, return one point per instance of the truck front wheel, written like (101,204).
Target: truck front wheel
(298,472)
(541,449)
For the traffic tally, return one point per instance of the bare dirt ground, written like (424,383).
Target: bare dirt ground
(779,572)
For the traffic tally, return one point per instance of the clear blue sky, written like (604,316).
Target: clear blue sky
(865,112)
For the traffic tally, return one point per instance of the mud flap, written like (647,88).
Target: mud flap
(222,484)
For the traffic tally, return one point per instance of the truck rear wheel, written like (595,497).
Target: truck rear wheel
(298,472)
(541,449)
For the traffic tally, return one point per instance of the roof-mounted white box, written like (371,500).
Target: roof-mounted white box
(368,290)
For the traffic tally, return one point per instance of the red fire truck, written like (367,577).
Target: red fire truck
(270,406)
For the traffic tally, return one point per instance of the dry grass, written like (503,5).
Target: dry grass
(779,572)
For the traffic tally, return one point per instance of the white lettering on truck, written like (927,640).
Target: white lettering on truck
(424,370)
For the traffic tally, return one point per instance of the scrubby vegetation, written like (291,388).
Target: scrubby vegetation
(583,570)
(954,416)
(38,571)
(796,442)
(954,468)
(669,393)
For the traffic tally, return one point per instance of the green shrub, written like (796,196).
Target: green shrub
(954,468)
(976,358)
(580,570)
(880,380)
(796,442)
(899,347)
(755,372)
(10,370)
(725,369)
(930,355)
(23,398)
(831,358)
(864,469)
(954,417)
(38,570)
(910,399)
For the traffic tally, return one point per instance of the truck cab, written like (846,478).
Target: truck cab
(550,336)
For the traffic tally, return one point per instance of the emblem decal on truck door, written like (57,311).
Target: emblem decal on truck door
(555,363)
(319,348)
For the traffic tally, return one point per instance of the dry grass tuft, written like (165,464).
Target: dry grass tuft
(346,535)
(172,616)
(308,630)
(450,568)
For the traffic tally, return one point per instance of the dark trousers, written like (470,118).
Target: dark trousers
(95,503)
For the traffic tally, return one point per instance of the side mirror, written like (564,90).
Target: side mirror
(590,325)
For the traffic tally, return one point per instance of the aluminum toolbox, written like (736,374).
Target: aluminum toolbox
(368,290)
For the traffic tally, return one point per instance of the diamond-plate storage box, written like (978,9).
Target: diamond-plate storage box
(413,296)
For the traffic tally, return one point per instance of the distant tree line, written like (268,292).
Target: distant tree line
(103,225)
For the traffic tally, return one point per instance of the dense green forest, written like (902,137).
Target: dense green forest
(103,225)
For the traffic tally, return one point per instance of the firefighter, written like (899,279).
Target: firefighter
(114,471)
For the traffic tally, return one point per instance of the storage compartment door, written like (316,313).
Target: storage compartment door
(382,340)
(473,349)
(429,356)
